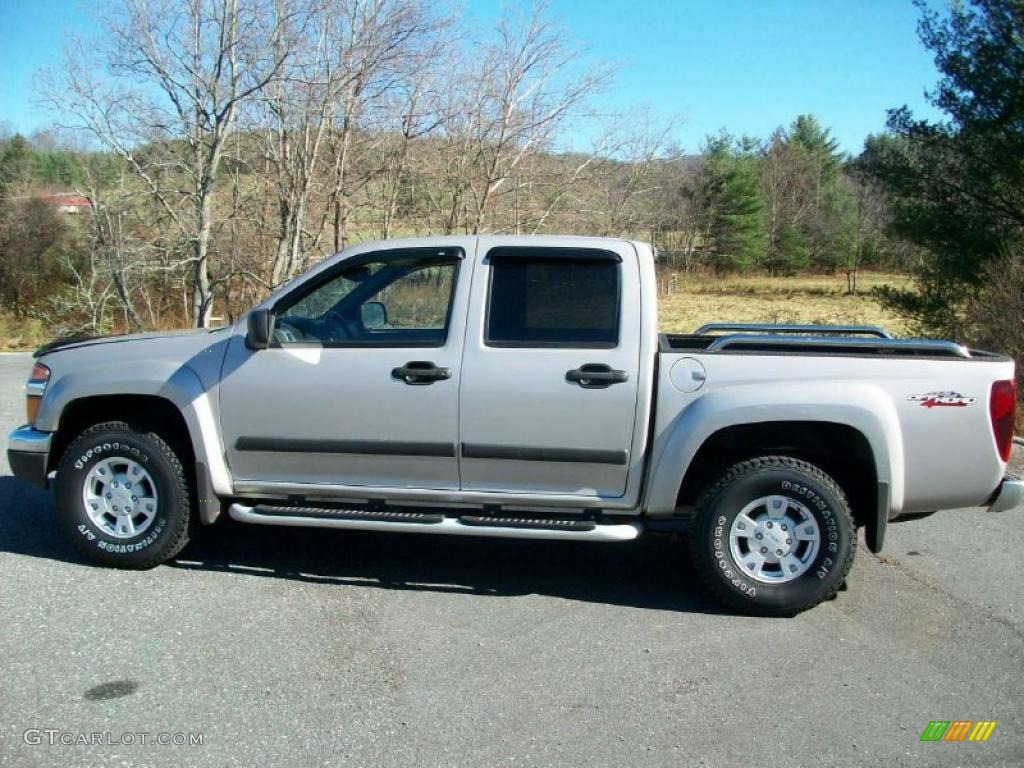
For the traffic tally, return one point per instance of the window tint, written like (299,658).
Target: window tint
(403,299)
(322,300)
(419,299)
(538,298)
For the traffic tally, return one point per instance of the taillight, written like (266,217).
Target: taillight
(1002,406)
(34,391)
(40,374)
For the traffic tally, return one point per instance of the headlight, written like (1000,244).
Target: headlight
(34,391)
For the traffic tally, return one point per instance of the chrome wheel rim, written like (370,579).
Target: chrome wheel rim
(120,497)
(774,539)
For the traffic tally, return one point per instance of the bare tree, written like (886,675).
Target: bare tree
(633,173)
(686,211)
(84,301)
(786,204)
(509,100)
(177,74)
(862,219)
(377,39)
(409,111)
(249,134)
(292,115)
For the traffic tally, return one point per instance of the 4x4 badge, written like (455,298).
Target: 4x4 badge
(942,400)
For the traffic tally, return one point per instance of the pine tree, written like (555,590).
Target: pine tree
(15,162)
(819,162)
(736,205)
(958,185)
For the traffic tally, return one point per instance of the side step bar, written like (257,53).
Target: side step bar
(436,522)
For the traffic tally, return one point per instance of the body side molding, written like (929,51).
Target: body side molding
(363,447)
(528,453)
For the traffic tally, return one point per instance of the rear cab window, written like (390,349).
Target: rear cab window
(553,297)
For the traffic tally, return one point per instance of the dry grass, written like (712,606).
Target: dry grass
(22,334)
(807,299)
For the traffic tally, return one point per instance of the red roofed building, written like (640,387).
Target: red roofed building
(67,202)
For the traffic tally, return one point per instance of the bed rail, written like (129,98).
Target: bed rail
(817,330)
(839,344)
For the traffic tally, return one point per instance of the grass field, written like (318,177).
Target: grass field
(804,299)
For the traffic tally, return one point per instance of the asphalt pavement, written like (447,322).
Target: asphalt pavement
(308,648)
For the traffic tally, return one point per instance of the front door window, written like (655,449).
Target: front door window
(398,300)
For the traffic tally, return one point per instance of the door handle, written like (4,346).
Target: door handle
(596,376)
(420,372)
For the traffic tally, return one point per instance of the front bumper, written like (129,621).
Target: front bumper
(1008,496)
(28,453)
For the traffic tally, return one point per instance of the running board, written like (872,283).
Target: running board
(562,529)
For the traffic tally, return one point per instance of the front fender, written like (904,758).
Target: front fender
(173,381)
(863,407)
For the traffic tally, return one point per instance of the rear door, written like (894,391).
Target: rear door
(550,370)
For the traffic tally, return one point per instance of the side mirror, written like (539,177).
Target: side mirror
(373,315)
(260,325)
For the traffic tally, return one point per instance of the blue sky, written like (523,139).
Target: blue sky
(745,65)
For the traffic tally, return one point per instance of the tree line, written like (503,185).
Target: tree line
(225,145)
(787,204)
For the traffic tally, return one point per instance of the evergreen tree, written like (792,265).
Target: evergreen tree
(57,167)
(735,204)
(958,185)
(15,162)
(820,150)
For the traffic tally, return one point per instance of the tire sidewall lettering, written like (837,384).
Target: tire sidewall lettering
(137,546)
(117,447)
(725,562)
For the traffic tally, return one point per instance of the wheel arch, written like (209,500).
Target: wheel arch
(840,450)
(177,404)
(854,436)
(151,412)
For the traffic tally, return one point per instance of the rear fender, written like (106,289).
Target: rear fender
(862,407)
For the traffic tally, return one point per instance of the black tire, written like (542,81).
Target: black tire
(168,532)
(741,485)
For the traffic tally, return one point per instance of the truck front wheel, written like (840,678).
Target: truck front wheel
(773,536)
(123,497)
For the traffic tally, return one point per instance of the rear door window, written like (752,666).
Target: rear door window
(553,297)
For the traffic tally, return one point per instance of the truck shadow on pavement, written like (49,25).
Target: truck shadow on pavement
(653,573)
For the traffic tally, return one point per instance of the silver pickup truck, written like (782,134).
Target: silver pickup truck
(517,387)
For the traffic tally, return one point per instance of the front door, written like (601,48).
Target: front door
(551,369)
(359,386)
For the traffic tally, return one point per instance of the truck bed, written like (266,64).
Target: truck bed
(925,416)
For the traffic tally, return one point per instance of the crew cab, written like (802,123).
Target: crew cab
(517,386)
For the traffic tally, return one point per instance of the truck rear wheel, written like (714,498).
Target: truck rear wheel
(773,536)
(123,498)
